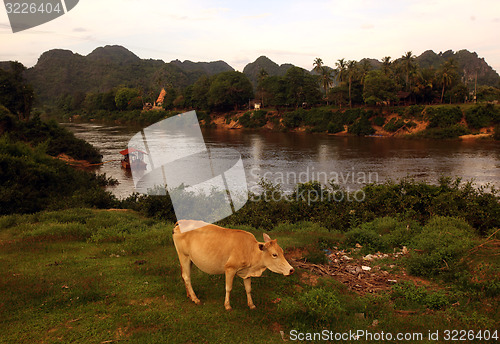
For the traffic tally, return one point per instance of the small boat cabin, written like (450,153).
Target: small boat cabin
(133,158)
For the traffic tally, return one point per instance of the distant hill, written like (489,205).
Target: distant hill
(61,71)
(209,68)
(252,69)
(468,65)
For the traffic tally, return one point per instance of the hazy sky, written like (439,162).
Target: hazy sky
(286,31)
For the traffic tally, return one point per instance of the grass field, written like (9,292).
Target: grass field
(88,276)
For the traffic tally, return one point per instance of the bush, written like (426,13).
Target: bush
(394,124)
(294,119)
(443,133)
(414,111)
(31,181)
(335,127)
(443,116)
(442,243)
(361,127)
(481,116)
(394,233)
(366,237)
(408,295)
(314,307)
(379,121)
(256,119)
(58,139)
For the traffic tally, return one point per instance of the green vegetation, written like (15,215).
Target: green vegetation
(15,94)
(397,123)
(481,116)
(255,119)
(31,181)
(89,275)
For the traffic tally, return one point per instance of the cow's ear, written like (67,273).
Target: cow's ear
(267,238)
(262,247)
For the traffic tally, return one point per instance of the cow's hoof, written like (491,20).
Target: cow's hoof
(197,301)
(252,307)
(229,308)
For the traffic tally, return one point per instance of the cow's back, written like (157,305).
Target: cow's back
(210,247)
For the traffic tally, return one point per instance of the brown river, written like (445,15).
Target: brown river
(291,158)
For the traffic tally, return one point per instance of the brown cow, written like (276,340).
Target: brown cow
(217,250)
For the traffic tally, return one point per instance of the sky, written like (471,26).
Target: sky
(288,31)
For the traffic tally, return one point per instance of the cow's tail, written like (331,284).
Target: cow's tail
(176,229)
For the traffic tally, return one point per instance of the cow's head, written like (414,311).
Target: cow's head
(273,257)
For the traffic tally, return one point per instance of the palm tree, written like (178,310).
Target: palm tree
(263,74)
(351,71)
(408,64)
(325,74)
(341,70)
(318,65)
(448,72)
(386,65)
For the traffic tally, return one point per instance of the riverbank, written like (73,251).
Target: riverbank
(465,121)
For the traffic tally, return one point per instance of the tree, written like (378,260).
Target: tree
(124,96)
(302,87)
(379,88)
(199,92)
(325,74)
(386,65)
(448,74)
(341,70)
(15,93)
(425,82)
(351,72)
(229,90)
(263,74)
(275,89)
(409,66)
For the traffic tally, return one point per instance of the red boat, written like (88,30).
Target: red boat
(133,158)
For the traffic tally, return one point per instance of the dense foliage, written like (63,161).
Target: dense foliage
(15,93)
(32,181)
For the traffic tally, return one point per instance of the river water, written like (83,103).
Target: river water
(290,158)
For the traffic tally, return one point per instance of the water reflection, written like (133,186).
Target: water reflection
(284,156)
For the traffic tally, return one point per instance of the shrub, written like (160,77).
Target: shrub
(443,133)
(481,116)
(442,243)
(443,116)
(379,121)
(31,181)
(368,238)
(394,124)
(407,294)
(314,307)
(294,119)
(256,119)
(335,127)
(394,233)
(361,127)
(414,111)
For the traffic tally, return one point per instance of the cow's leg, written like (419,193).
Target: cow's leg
(186,276)
(248,289)
(229,286)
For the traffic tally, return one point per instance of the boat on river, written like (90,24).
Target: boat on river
(133,159)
